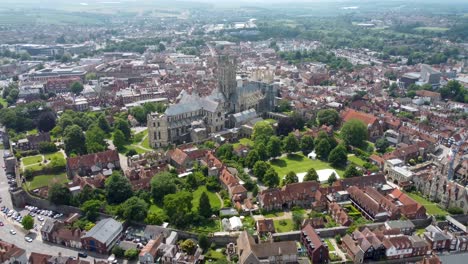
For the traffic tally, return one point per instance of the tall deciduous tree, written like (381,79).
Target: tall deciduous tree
(119,140)
(90,209)
(178,206)
(263,129)
(290,143)
(76,88)
(251,158)
(123,126)
(74,139)
(354,133)
(134,209)
(118,188)
(59,194)
(322,149)
(352,171)
(204,206)
(332,178)
(95,139)
(27,222)
(162,184)
(338,156)
(103,124)
(46,121)
(274,147)
(271,178)
(311,175)
(260,168)
(291,177)
(328,117)
(307,144)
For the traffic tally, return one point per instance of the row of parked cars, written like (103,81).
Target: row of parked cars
(34,211)
(12,182)
(12,213)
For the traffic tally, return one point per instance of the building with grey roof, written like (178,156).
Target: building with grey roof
(103,236)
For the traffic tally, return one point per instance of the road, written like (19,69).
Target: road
(37,245)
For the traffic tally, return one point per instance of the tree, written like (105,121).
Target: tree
(381,145)
(338,156)
(274,147)
(284,106)
(289,124)
(118,188)
(134,209)
(27,222)
(76,88)
(307,144)
(271,178)
(260,168)
(123,126)
(291,177)
(263,129)
(95,139)
(162,184)
(155,218)
(354,133)
(252,158)
(332,178)
(118,251)
(46,121)
(188,246)
(119,140)
(161,47)
(47,147)
(328,117)
(103,124)
(311,175)
(59,194)
(204,207)
(323,149)
(203,242)
(139,113)
(74,139)
(454,210)
(352,171)
(131,254)
(90,209)
(297,218)
(178,206)
(131,153)
(290,143)
(225,151)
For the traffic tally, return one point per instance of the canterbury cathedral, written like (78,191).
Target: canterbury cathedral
(195,119)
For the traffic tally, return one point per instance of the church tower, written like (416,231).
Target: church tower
(227,84)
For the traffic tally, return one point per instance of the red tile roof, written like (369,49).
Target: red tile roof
(364,117)
(89,160)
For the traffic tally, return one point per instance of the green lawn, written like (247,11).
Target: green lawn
(299,163)
(145,143)
(35,167)
(356,160)
(431,208)
(210,227)
(137,138)
(57,154)
(214,200)
(215,255)
(282,226)
(273,214)
(3,102)
(245,142)
(46,180)
(31,160)
(330,245)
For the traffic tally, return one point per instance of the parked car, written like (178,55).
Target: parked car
(82,255)
(28,239)
(13,232)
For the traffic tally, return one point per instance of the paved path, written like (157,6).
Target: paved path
(221,199)
(337,249)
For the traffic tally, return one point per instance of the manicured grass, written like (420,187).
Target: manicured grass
(50,156)
(35,167)
(46,180)
(145,143)
(433,29)
(273,214)
(356,160)
(299,163)
(31,160)
(210,227)
(139,136)
(330,245)
(431,208)
(214,200)
(282,226)
(215,255)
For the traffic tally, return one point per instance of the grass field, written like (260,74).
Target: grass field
(299,163)
(431,208)
(210,227)
(356,160)
(273,214)
(46,180)
(145,143)
(57,154)
(282,226)
(214,200)
(433,29)
(31,160)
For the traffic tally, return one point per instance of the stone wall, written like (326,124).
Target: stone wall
(21,198)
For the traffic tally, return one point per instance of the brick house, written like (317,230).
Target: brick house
(103,236)
(316,249)
(398,247)
(92,164)
(270,252)
(10,253)
(339,215)
(303,194)
(438,240)
(59,233)
(374,128)
(265,227)
(31,142)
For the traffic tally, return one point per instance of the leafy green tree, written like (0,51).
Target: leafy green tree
(204,207)
(203,242)
(47,147)
(91,76)
(252,158)
(76,88)
(178,207)
(123,126)
(291,177)
(338,156)
(134,209)
(103,124)
(307,144)
(118,251)
(274,147)
(188,246)
(90,209)
(454,210)
(381,145)
(263,129)
(119,140)
(284,106)
(162,184)
(271,178)
(332,178)
(455,91)
(323,149)
(118,188)
(27,222)
(290,143)
(352,171)
(139,113)
(311,175)
(59,194)
(260,168)
(155,218)
(354,133)
(46,121)
(74,139)
(131,254)
(95,139)
(328,117)
(225,152)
